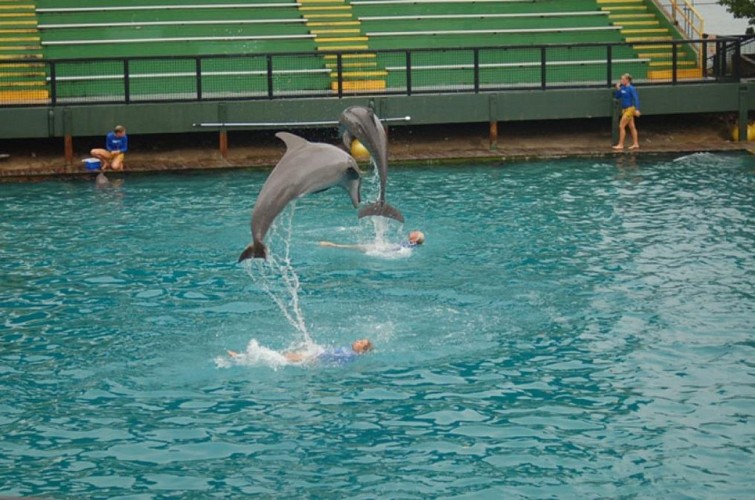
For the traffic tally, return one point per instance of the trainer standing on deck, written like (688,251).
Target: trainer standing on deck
(630,108)
(116,145)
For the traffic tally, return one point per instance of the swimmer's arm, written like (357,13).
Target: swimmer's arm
(330,244)
(291,357)
(294,357)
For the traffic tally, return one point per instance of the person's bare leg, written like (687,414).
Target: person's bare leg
(635,135)
(117,162)
(103,155)
(622,133)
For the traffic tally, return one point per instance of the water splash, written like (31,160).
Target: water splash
(379,235)
(254,355)
(276,275)
(382,239)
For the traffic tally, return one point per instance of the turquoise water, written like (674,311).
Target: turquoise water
(570,328)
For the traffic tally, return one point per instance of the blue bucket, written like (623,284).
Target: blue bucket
(92,164)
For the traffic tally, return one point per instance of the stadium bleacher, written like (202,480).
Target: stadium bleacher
(396,24)
(644,29)
(167,38)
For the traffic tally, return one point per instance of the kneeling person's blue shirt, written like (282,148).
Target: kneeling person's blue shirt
(115,143)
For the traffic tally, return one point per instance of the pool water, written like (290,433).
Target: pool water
(570,328)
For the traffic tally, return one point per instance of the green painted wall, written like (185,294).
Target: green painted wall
(424,109)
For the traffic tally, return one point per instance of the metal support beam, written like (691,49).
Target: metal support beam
(493,135)
(743,114)
(68,136)
(68,149)
(493,114)
(223,134)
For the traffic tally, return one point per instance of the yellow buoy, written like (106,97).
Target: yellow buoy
(750,132)
(358,151)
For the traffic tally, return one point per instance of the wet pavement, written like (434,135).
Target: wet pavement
(516,141)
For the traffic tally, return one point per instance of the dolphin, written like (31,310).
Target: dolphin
(101,181)
(306,167)
(361,123)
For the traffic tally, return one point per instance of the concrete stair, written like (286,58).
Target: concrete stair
(639,24)
(21,79)
(337,29)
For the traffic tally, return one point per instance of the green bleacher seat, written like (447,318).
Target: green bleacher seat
(163,38)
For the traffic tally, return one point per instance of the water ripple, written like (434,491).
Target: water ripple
(569,329)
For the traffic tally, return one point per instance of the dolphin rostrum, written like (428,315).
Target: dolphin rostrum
(361,123)
(101,181)
(306,167)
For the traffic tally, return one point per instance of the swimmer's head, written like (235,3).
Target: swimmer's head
(416,237)
(362,346)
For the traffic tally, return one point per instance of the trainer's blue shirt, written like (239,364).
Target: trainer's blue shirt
(115,143)
(337,356)
(628,96)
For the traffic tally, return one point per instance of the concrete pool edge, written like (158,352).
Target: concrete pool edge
(440,145)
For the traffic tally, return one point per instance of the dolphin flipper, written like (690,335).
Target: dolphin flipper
(382,209)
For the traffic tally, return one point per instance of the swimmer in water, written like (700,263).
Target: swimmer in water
(415,239)
(333,355)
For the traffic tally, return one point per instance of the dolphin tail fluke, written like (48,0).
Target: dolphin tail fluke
(254,251)
(381,209)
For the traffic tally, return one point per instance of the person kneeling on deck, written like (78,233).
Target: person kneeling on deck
(116,145)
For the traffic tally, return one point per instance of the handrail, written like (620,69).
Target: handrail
(723,52)
(276,75)
(129,8)
(685,16)
(134,24)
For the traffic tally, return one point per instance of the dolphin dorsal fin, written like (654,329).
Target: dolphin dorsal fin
(292,141)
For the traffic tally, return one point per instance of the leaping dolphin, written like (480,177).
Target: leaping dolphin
(306,167)
(361,123)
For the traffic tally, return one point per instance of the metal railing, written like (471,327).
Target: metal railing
(685,16)
(724,55)
(687,19)
(327,74)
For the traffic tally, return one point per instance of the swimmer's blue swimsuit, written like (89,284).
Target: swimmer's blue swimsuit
(337,356)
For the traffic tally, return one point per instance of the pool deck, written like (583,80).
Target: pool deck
(427,145)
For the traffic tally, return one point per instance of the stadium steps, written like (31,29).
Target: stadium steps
(641,27)
(336,29)
(21,79)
